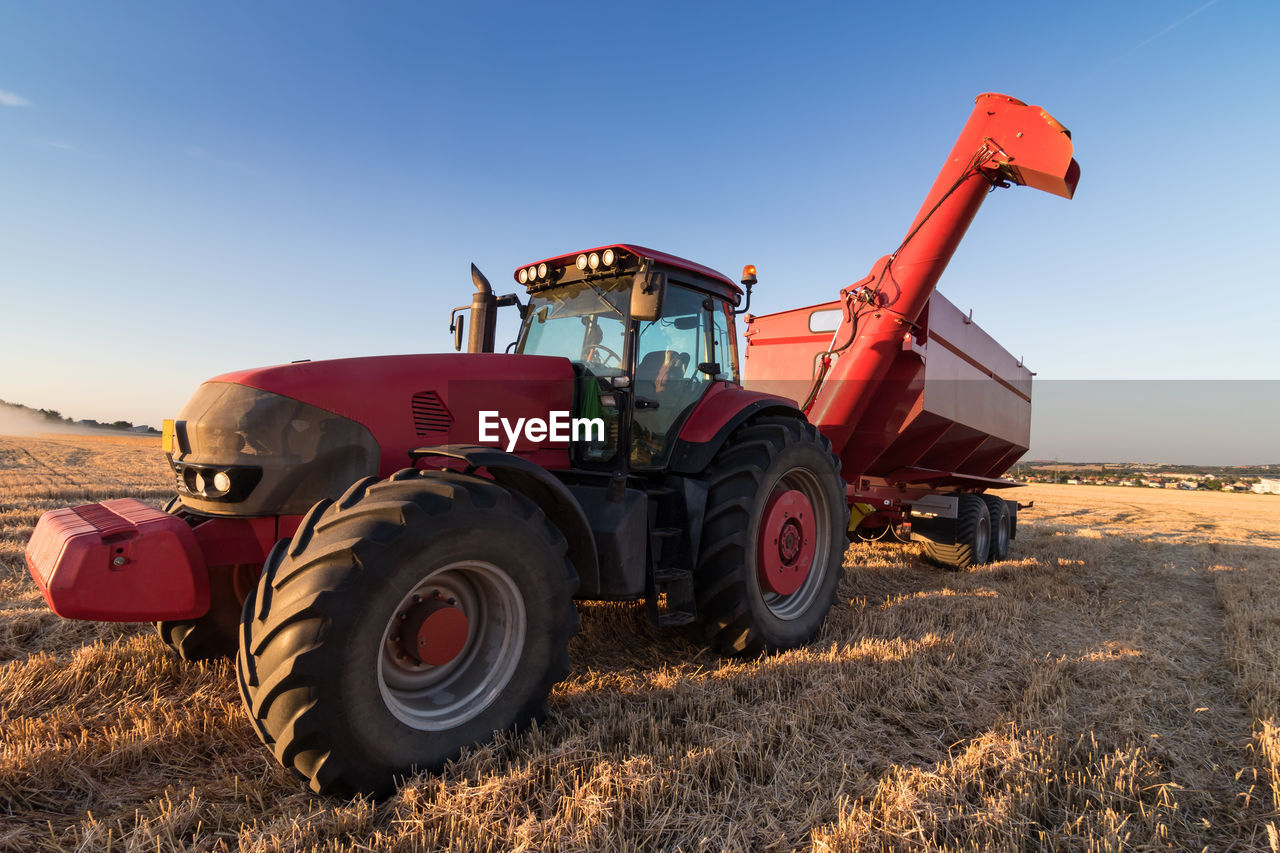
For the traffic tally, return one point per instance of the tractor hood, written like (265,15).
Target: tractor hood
(290,435)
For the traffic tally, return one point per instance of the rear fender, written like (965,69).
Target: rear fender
(538,485)
(721,410)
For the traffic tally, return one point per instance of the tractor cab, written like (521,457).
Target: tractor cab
(647,334)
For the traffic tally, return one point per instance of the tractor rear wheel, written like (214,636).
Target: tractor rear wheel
(773,539)
(1001,526)
(408,620)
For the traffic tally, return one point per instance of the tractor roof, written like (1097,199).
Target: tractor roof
(717,281)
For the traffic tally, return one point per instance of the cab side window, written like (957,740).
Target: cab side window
(667,358)
(726,346)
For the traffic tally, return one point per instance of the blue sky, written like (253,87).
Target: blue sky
(187,189)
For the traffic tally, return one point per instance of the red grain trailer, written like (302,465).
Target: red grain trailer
(925,410)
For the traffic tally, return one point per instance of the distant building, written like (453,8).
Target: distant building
(140,428)
(1267,487)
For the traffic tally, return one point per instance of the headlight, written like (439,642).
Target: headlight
(233,483)
(593,261)
(582,262)
(523,276)
(607,257)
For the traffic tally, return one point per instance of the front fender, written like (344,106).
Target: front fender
(538,485)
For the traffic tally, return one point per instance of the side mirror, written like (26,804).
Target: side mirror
(457,335)
(646,296)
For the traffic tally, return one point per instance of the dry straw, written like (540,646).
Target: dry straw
(1112,687)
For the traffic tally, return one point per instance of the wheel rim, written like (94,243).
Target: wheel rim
(982,539)
(451,645)
(793,544)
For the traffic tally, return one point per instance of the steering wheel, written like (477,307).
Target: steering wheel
(594,348)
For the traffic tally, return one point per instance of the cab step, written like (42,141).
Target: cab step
(676,618)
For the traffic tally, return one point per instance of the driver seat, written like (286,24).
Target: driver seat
(660,370)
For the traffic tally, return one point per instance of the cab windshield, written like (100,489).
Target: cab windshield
(584,322)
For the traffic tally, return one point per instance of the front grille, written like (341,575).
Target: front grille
(430,417)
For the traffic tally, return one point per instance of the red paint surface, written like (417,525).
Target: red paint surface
(235,541)
(719,405)
(912,386)
(786,542)
(442,636)
(118,561)
(377,392)
(1007,139)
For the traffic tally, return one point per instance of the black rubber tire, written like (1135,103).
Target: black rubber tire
(216,634)
(967,550)
(735,617)
(310,661)
(1001,528)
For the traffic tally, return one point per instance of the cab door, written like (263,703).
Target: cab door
(667,381)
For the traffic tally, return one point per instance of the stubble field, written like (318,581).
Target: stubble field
(1114,685)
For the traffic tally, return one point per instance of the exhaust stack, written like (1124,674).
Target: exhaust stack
(484,314)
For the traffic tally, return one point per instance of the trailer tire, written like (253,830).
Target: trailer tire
(1001,528)
(972,537)
(742,595)
(459,566)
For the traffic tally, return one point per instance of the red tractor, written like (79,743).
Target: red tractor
(392,546)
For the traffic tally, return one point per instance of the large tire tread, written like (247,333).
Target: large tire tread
(961,555)
(736,477)
(286,650)
(997,508)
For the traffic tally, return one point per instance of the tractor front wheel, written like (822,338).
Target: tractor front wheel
(410,619)
(773,539)
(216,634)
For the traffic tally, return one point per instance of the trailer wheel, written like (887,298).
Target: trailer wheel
(972,536)
(406,621)
(1001,527)
(773,539)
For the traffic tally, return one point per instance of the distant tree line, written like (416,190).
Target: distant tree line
(54,416)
